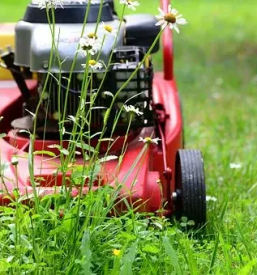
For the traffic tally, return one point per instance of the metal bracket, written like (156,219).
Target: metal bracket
(8,58)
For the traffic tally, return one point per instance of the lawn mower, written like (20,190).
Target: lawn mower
(166,176)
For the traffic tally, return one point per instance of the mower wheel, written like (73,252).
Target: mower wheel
(190,196)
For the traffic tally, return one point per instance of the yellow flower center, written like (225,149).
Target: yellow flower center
(148,140)
(108,28)
(130,2)
(92,62)
(92,35)
(170,17)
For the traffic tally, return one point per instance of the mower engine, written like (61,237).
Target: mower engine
(51,63)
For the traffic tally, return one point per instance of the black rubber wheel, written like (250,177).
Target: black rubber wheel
(190,200)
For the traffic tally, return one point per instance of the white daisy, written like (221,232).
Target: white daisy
(42,4)
(94,65)
(171,19)
(235,165)
(210,198)
(149,140)
(89,44)
(14,160)
(54,3)
(131,4)
(109,29)
(132,109)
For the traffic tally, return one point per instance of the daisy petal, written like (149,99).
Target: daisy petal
(161,22)
(181,21)
(176,28)
(174,11)
(161,11)
(164,25)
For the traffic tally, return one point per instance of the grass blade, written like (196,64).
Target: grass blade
(214,254)
(171,253)
(128,260)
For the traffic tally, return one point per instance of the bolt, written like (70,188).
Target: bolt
(45,65)
(174,196)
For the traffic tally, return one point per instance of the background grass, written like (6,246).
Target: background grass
(216,71)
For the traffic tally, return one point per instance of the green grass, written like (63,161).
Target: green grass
(217,76)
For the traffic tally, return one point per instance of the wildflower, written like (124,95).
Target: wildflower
(131,4)
(171,19)
(14,160)
(116,252)
(107,93)
(92,35)
(216,96)
(54,3)
(108,29)
(210,198)
(89,44)
(149,140)
(42,4)
(158,181)
(235,165)
(94,65)
(63,131)
(107,158)
(133,110)
(72,118)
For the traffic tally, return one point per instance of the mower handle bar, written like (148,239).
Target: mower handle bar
(167,43)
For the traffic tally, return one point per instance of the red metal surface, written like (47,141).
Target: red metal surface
(142,181)
(167,43)
(22,142)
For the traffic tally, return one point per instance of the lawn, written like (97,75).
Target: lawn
(215,64)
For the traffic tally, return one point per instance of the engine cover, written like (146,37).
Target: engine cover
(33,42)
